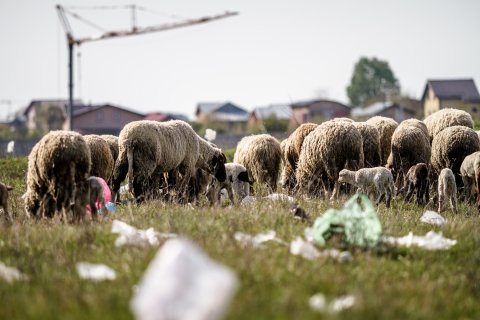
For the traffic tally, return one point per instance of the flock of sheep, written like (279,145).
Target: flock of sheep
(169,161)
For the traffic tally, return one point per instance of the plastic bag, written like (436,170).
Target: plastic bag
(10,274)
(133,236)
(95,272)
(182,282)
(433,218)
(430,241)
(358,222)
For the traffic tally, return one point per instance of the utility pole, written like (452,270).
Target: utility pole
(72,41)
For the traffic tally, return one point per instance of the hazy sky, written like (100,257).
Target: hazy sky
(274,51)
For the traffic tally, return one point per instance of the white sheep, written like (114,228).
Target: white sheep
(468,170)
(369,180)
(447,189)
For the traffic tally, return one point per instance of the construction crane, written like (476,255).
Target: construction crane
(135,30)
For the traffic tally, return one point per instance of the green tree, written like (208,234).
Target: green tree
(371,78)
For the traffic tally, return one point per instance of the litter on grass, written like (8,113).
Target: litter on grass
(310,252)
(357,221)
(128,235)
(182,282)
(433,218)
(10,274)
(257,240)
(95,272)
(430,241)
(275,197)
(318,302)
(210,134)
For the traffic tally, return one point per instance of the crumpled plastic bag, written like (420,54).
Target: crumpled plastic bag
(95,272)
(433,217)
(210,134)
(10,274)
(318,302)
(257,240)
(430,241)
(310,252)
(132,236)
(358,222)
(182,282)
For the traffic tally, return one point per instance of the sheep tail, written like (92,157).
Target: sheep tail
(130,168)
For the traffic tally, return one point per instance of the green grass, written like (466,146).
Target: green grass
(387,284)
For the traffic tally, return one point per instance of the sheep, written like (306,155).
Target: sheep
(95,194)
(291,152)
(416,123)
(112,143)
(417,178)
(386,127)
(102,158)
(237,184)
(447,189)
(469,170)
(371,144)
(369,180)
(261,155)
(410,145)
(450,147)
(329,148)
(58,168)
(444,118)
(4,198)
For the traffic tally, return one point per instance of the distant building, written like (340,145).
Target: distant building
(455,93)
(46,115)
(161,117)
(226,112)
(318,111)
(386,109)
(276,111)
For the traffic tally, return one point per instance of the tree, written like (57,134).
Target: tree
(371,77)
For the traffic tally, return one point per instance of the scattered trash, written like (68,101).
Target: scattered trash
(182,282)
(10,274)
(318,302)
(111,207)
(433,218)
(124,189)
(248,200)
(280,197)
(95,272)
(133,236)
(256,241)
(210,134)
(431,241)
(11,146)
(358,222)
(310,252)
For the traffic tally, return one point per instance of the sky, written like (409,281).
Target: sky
(274,51)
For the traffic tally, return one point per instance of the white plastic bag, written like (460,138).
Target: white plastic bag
(182,282)
(133,236)
(10,274)
(95,272)
(256,241)
(433,218)
(430,241)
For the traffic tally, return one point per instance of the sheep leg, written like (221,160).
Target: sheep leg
(453,203)
(230,194)
(410,191)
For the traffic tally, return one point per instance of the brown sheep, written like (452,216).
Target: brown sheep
(444,118)
(386,127)
(371,144)
(112,143)
(4,198)
(417,178)
(102,158)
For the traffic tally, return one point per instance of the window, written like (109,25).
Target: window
(116,115)
(99,116)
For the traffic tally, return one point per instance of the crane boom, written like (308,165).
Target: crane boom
(72,41)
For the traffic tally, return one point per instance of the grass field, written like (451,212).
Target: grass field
(396,283)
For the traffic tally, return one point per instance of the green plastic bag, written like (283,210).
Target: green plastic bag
(357,220)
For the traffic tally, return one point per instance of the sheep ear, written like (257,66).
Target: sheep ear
(224,158)
(243,176)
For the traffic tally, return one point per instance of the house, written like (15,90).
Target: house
(318,111)
(273,118)
(455,93)
(103,119)
(161,117)
(392,110)
(226,112)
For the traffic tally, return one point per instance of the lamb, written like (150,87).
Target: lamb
(369,180)
(58,168)
(386,127)
(447,190)
(95,194)
(469,170)
(261,155)
(102,158)
(371,144)
(291,153)
(417,178)
(450,147)
(4,199)
(410,145)
(329,148)
(444,118)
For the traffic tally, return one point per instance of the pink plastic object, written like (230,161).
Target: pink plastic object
(107,194)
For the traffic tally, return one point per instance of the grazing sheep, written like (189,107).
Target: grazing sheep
(417,178)
(444,118)
(4,198)
(450,147)
(58,168)
(95,194)
(112,143)
(386,127)
(291,152)
(371,144)
(416,123)
(261,155)
(469,170)
(329,148)
(410,145)
(378,180)
(343,119)
(447,190)
(101,156)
